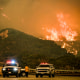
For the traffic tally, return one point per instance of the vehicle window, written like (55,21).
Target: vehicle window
(44,66)
(11,65)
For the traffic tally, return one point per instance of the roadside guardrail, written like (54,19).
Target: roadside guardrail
(57,72)
(61,72)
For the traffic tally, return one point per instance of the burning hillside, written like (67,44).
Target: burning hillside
(64,33)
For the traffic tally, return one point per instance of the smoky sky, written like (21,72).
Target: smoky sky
(30,16)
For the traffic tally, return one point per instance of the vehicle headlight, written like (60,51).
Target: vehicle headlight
(4,69)
(15,69)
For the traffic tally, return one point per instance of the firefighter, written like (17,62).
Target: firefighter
(26,70)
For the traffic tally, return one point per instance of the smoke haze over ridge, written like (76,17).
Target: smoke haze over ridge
(30,16)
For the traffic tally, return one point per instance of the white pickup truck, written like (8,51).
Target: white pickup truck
(11,68)
(45,69)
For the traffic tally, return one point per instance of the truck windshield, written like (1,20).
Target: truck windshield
(44,66)
(11,65)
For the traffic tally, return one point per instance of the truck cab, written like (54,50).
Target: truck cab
(11,67)
(45,69)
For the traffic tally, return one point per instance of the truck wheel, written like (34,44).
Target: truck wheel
(36,75)
(49,75)
(53,75)
(19,75)
(41,75)
(7,75)
(4,75)
(16,75)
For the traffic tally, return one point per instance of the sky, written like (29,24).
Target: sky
(31,16)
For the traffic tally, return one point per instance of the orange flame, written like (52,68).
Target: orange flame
(65,32)
(69,48)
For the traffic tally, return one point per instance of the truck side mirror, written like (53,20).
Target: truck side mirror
(3,65)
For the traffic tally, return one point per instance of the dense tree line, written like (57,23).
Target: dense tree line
(67,61)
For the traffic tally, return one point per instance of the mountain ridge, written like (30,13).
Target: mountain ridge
(16,38)
(27,49)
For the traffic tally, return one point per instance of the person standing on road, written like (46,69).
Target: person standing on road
(26,70)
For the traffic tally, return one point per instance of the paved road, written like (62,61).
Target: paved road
(32,77)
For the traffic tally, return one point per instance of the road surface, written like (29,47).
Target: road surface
(32,77)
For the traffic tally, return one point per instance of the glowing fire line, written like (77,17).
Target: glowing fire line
(65,32)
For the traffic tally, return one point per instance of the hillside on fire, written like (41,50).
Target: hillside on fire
(13,43)
(29,50)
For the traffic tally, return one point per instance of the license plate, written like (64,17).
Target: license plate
(9,72)
(42,73)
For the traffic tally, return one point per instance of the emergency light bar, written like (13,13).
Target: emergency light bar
(44,63)
(10,62)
